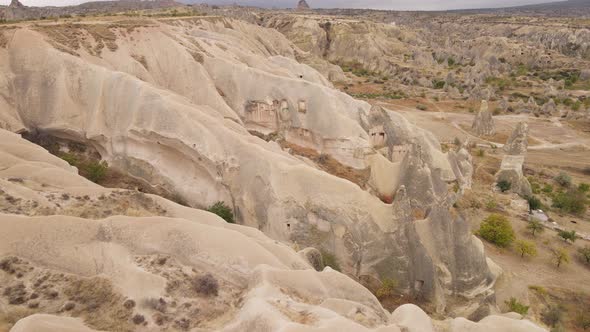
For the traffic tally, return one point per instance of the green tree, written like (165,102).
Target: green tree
(222,210)
(572,201)
(504,185)
(560,256)
(535,226)
(568,236)
(585,252)
(526,248)
(534,203)
(497,230)
(515,306)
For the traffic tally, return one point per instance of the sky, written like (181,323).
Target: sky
(375,4)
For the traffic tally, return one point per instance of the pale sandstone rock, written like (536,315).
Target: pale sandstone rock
(483,123)
(517,143)
(50,323)
(511,171)
(194,141)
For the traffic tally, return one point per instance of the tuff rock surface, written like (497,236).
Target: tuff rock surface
(171,103)
(483,123)
(511,169)
(143,268)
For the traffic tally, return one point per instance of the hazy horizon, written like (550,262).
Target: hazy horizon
(373,4)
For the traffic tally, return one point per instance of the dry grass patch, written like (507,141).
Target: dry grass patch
(100,306)
(330,165)
(10,317)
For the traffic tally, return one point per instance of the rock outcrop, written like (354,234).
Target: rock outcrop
(517,143)
(549,108)
(178,113)
(483,123)
(15,4)
(511,169)
(150,263)
(302,5)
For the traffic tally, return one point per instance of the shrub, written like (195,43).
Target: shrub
(515,306)
(563,179)
(138,319)
(565,235)
(560,256)
(481,153)
(70,158)
(387,288)
(504,185)
(572,201)
(438,84)
(584,187)
(535,226)
(582,320)
(330,260)
(497,230)
(547,188)
(422,107)
(223,211)
(526,248)
(585,253)
(491,204)
(95,171)
(552,315)
(577,105)
(534,203)
(539,289)
(206,285)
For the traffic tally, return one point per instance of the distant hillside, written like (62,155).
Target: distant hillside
(556,8)
(17,11)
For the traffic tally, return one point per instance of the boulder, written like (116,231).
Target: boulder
(483,123)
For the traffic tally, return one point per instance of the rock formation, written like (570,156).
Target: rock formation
(483,123)
(504,105)
(517,143)
(16,4)
(512,163)
(549,108)
(148,263)
(190,135)
(302,5)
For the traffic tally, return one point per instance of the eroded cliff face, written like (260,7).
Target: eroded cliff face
(174,102)
(87,258)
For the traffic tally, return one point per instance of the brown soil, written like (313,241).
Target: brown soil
(330,165)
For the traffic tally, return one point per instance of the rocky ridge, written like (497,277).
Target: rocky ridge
(206,153)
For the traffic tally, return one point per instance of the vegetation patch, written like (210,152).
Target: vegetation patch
(223,211)
(515,306)
(497,230)
(330,260)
